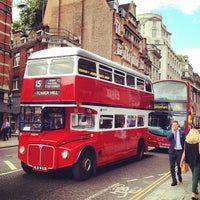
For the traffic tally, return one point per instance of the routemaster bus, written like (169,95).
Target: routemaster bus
(82,111)
(174,100)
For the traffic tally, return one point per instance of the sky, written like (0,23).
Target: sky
(182,20)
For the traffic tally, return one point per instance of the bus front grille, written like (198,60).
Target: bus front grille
(41,155)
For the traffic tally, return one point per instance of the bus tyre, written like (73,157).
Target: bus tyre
(140,150)
(84,168)
(26,168)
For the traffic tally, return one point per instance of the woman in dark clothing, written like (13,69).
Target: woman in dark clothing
(191,155)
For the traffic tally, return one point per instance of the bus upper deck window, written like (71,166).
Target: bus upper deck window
(130,80)
(105,73)
(61,66)
(36,68)
(119,77)
(87,68)
(148,87)
(140,84)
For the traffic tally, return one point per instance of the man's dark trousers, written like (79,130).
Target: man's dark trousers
(174,158)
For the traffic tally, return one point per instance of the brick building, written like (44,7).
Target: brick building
(23,44)
(103,27)
(5,56)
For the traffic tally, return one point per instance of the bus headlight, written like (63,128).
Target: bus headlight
(65,154)
(22,149)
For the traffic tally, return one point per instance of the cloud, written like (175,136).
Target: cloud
(185,6)
(193,55)
(15,13)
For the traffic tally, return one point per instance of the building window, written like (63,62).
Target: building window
(29,52)
(126,55)
(154,33)
(15,83)
(118,48)
(135,58)
(16,60)
(117,27)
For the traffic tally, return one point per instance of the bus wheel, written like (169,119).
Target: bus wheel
(140,150)
(84,168)
(26,168)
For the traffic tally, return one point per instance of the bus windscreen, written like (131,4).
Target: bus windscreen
(170,90)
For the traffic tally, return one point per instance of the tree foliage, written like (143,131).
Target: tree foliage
(31,15)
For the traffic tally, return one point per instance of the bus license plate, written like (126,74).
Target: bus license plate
(40,168)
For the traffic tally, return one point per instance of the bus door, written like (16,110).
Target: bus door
(108,137)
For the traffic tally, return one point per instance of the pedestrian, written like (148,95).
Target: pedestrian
(191,155)
(5,129)
(177,140)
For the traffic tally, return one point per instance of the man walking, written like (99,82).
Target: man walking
(177,140)
(5,129)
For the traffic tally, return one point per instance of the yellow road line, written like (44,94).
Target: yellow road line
(150,187)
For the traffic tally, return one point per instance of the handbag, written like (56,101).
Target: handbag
(185,167)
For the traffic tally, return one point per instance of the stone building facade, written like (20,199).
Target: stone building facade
(153,29)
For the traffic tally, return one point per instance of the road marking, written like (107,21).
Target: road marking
(146,177)
(10,172)
(101,192)
(132,180)
(150,187)
(162,174)
(10,165)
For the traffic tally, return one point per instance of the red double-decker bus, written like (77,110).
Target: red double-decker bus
(81,110)
(174,100)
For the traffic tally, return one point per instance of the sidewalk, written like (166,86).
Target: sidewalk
(182,191)
(164,191)
(13,141)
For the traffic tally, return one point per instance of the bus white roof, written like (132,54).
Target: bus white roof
(71,51)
